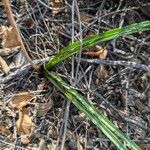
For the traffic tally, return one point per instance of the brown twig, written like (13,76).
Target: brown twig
(14,25)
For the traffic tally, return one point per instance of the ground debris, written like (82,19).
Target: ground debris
(116,82)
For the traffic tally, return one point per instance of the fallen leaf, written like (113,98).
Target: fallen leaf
(25,140)
(43,108)
(102,53)
(25,111)
(5,131)
(9,37)
(24,126)
(4,65)
(20,100)
(100,72)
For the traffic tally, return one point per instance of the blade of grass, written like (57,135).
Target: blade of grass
(73,48)
(108,128)
(94,119)
(95,116)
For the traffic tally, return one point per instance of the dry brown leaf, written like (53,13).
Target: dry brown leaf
(5,131)
(20,100)
(25,110)
(25,140)
(4,65)
(43,108)
(102,53)
(24,126)
(9,37)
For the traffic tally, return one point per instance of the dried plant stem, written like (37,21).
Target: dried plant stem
(118,62)
(14,25)
(23,70)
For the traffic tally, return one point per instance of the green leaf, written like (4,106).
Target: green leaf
(73,48)
(108,128)
(101,121)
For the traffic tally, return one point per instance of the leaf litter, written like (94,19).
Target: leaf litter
(22,99)
(24,125)
(41,118)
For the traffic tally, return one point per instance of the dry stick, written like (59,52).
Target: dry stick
(14,25)
(23,70)
(118,63)
(66,116)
